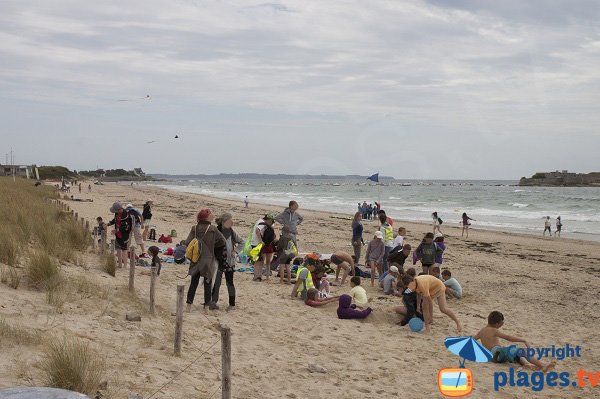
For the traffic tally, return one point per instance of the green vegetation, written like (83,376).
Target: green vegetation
(539,176)
(56,173)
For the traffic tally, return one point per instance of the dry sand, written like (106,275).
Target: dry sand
(548,290)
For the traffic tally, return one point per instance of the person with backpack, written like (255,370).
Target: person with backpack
(227,262)
(123,223)
(263,233)
(437,222)
(205,249)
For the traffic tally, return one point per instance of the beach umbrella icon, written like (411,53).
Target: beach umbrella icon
(468,348)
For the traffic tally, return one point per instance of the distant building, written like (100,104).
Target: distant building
(139,172)
(27,171)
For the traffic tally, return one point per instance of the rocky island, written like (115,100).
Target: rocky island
(562,179)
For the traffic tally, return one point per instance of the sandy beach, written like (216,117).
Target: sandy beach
(547,288)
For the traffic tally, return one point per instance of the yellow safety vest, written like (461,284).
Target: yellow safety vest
(388,233)
(308,281)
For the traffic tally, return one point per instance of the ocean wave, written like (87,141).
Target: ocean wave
(518,205)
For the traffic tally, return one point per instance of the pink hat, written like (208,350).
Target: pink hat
(203,214)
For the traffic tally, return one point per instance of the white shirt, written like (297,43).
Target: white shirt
(399,240)
(255,238)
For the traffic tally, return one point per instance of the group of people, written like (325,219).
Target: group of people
(548,226)
(217,242)
(368,211)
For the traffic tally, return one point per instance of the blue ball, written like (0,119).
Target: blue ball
(415,324)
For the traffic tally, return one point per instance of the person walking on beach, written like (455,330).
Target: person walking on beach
(227,262)
(357,235)
(437,222)
(212,245)
(246,202)
(123,223)
(147,215)
(558,226)
(547,226)
(465,224)
(89,188)
(289,219)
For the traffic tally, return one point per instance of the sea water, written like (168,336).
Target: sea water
(498,205)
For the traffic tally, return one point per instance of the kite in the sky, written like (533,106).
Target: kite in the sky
(154,141)
(138,99)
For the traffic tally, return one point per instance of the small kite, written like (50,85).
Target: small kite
(137,99)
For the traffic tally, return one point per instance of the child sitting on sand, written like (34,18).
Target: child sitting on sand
(304,280)
(453,288)
(153,251)
(179,253)
(312,298)
(358,293)
(489,335)
(347,310)
(435,272)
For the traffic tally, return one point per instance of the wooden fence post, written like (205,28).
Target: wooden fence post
(112,247)
(103,242)
(152,290)
(131,268)
(225,362)
(87,225)
(179,320)
(94,239)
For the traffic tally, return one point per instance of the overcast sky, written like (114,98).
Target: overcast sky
(412,89)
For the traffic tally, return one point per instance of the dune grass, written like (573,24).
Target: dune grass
(14,334)
(110,265)
(27,217)
(42,270)
(72,364)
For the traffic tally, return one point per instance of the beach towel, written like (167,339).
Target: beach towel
(248,243)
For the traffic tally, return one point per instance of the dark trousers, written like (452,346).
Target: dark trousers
(282,246)
(228,282)
(194,286)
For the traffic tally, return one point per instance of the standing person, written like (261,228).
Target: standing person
(227,262)
(357,235)
(399,240)
(465,224)
(89,188)
(212,245)
(441,247)
(558,226)
(264,233)
(137,228)
(430,288)
(374,255)
(437,222)
(246,202)
(123,225)
(426,252)
(289,219)
(369,211)
(388,219)
(147,215)
(388,237)
(547,225)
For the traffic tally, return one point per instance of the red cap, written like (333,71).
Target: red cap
(203,214)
